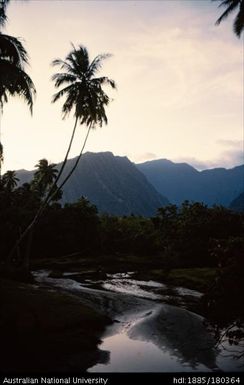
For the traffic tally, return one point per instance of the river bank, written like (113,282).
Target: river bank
(149,333)
(85,316)
(43,330)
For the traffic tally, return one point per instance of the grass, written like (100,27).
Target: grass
(46,331)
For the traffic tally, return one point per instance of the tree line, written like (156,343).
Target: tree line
(183,236)
(31,215)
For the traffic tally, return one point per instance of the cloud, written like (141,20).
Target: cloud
(230,143)
(178,76)
(231,156)
(196,163)
(144,157)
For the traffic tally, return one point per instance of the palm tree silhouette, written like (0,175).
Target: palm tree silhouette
(44,177)
(10,180)
(84,94)
(13,78)
(233,5)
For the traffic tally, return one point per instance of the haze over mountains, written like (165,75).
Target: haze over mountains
(180,181)
(117,186)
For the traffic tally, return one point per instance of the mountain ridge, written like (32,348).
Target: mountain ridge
(115,183)
(180,181)
(112,183)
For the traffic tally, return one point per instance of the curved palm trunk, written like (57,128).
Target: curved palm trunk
(46,201)
(41,208)
(76,162)
(65,159)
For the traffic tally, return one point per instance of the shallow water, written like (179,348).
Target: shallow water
(128,355)
(147,335)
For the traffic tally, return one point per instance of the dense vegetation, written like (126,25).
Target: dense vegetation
(188,236)
(184,236)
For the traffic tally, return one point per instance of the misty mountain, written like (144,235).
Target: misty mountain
(180,181)
(112,183)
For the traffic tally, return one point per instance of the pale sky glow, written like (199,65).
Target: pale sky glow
(179,79)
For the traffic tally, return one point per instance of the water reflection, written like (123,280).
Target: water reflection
(138,356)
(149,336)
(179,332)
(167,339)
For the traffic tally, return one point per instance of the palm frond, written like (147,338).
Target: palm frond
(79,61)
(3,16)
(61,78)
(63,65)
(96,64)
(70,103)
(12,49)
(81,58)
(106,81)
(239,21)
(84,94)
(61,93)
(15,81)
(232,4)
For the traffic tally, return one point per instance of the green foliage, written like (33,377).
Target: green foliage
(187,231)
(9,181)
(13,78)
(187,237)
(135,235)
(42,182)
(225,298)
(83,91)
(63,231)
(223,303)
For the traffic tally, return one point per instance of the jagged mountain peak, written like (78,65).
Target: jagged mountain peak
(112,183)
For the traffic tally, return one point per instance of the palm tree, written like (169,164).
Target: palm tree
(13,79)
(44,177)
(84,94)
(233,5)
(86,97)
(10,180)
(13,58)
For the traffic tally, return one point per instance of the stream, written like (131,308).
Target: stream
(148,334)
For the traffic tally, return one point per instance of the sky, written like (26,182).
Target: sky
(179,81)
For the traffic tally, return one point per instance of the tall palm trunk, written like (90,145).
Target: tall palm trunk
(44,204)
(76,162)
(65,160)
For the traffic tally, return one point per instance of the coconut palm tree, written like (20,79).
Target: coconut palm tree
(13,78)
(86,98)
(44,177)
(10,180)
(231,6)
(83,92)
(13,58)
